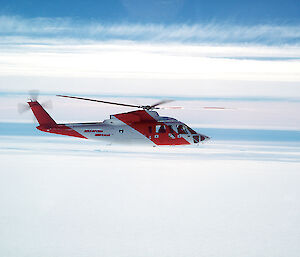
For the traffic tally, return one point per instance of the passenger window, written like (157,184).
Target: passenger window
(172,133)
(160,129)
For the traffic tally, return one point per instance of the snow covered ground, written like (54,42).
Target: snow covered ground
(235,196)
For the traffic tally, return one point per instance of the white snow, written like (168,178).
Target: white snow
(68,197)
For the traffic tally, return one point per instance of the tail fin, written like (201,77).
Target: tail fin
(41,115)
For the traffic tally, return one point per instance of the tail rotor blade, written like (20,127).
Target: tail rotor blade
(48,104)
(34,94)
(23,108)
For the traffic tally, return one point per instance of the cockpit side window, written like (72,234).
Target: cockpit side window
(181,129)
(171,129)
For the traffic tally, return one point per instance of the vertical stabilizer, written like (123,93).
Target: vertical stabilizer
(41,115)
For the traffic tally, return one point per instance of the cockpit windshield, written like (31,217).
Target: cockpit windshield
(191,130)
(181,129)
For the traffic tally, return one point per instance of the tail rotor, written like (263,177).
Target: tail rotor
(33,96)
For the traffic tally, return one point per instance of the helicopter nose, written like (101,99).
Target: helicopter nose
(204,138)
(200,138)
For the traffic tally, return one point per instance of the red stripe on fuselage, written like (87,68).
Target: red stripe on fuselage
(61,130)
(141,121)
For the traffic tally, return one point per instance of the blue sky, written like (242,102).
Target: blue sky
(160,11)
(248,22)
(177,49)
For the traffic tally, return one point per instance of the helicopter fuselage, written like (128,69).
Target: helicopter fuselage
(136,127)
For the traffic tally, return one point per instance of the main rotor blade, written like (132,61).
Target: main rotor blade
(198,108)
(219,108)
(161,102)
(99,101)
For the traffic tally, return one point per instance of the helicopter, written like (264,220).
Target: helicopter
(142,126)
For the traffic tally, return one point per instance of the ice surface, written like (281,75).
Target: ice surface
(235,196)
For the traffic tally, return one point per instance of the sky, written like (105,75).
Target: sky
(213,51)
(244,53)
(159,11)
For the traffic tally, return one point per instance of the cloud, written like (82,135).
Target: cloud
(209,61)
(151,61)
(69,48)
(213,33)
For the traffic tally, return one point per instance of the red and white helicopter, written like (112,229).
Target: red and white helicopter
(143,126)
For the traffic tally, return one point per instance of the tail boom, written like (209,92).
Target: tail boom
(61,129)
